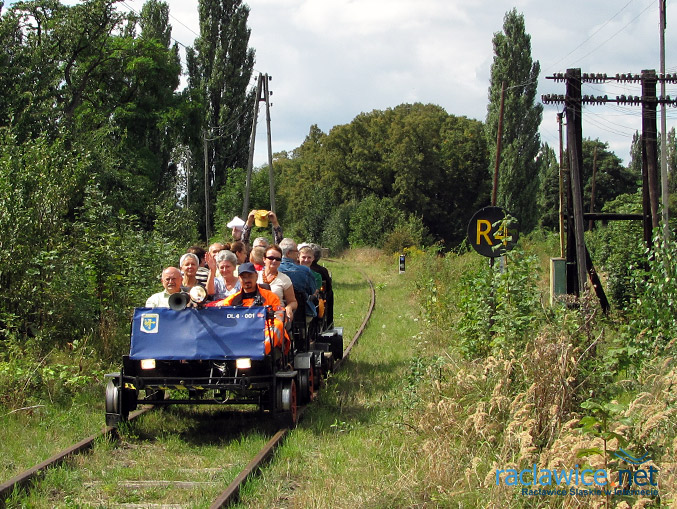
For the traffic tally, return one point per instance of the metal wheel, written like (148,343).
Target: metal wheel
(118,403)
(287,409)
(306,385)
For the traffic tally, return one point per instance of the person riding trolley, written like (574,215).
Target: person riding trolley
(252,294)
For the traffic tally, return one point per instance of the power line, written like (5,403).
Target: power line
(619,31)
(592,35)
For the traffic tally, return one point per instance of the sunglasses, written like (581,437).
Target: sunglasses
(273,258)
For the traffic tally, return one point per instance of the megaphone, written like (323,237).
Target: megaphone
(178,301)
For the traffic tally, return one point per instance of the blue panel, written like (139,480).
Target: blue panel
(209,333)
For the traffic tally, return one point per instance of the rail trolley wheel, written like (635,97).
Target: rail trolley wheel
(306,384)
(287,410)
(117,406)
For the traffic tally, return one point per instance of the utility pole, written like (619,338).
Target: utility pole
(499,137)
(592,190)
(252,141)
(262,94)
(649,145)
(664,144)
(271,176)
(206,186)
(561,187)
(575,149)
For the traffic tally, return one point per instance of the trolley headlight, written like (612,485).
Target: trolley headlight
(147,363)
(244,363)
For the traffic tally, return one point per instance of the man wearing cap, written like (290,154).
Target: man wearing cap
(236,225)
(171,281)
(272,217)
(252,294)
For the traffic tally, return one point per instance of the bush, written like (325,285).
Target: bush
(499,305)
(372,219)
(337,229)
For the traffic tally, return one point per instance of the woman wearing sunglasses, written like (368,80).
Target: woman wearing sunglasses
(279,283)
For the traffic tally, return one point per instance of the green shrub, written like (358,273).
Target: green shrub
(499,305)
(373,219)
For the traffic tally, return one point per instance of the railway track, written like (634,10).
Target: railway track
(227,496)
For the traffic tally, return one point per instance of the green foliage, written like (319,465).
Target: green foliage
(617,249)
(600,423)
(499,305)
(652,325)
(220,67)
(337,228)
(414,156)
(372,220)
(409,232)
(518,180)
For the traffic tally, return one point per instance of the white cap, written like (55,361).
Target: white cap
(236,222)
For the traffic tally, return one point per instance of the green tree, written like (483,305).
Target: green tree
(518,182)
(220,70)
(612,179)
(549,193)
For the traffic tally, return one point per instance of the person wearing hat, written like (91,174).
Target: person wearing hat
(264,216)
(252,294)
(236,225)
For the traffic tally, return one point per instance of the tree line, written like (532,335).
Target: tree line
(103,156)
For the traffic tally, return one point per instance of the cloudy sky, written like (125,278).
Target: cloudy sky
(333,59)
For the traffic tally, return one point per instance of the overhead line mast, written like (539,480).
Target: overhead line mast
(262,94)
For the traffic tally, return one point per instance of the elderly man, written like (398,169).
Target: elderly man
(301,277)
(171,281)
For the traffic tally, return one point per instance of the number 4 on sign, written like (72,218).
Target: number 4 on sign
(502,233)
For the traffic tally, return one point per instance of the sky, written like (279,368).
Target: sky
(331,60)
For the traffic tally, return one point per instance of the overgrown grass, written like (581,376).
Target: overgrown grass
(353,448)
(414,419)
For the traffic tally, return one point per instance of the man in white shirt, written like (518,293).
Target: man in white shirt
(171,281)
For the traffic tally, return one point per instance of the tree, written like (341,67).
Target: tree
(549,193)
(220,70)
(612,179)
(518,172)
(428,164)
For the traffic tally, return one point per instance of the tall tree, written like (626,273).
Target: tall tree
(518,181)
(220,69)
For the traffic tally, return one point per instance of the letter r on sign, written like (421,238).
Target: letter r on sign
(483,232)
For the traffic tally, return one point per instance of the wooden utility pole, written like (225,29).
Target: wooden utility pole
(252,142)
(592,189)
(561,187)
(650,149)
(271,176)
(499,136)
(207,233)
(575,150)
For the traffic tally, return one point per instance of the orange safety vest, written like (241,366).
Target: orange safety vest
(275,330)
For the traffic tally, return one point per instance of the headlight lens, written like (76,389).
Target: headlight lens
(148,364)
(244,363)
